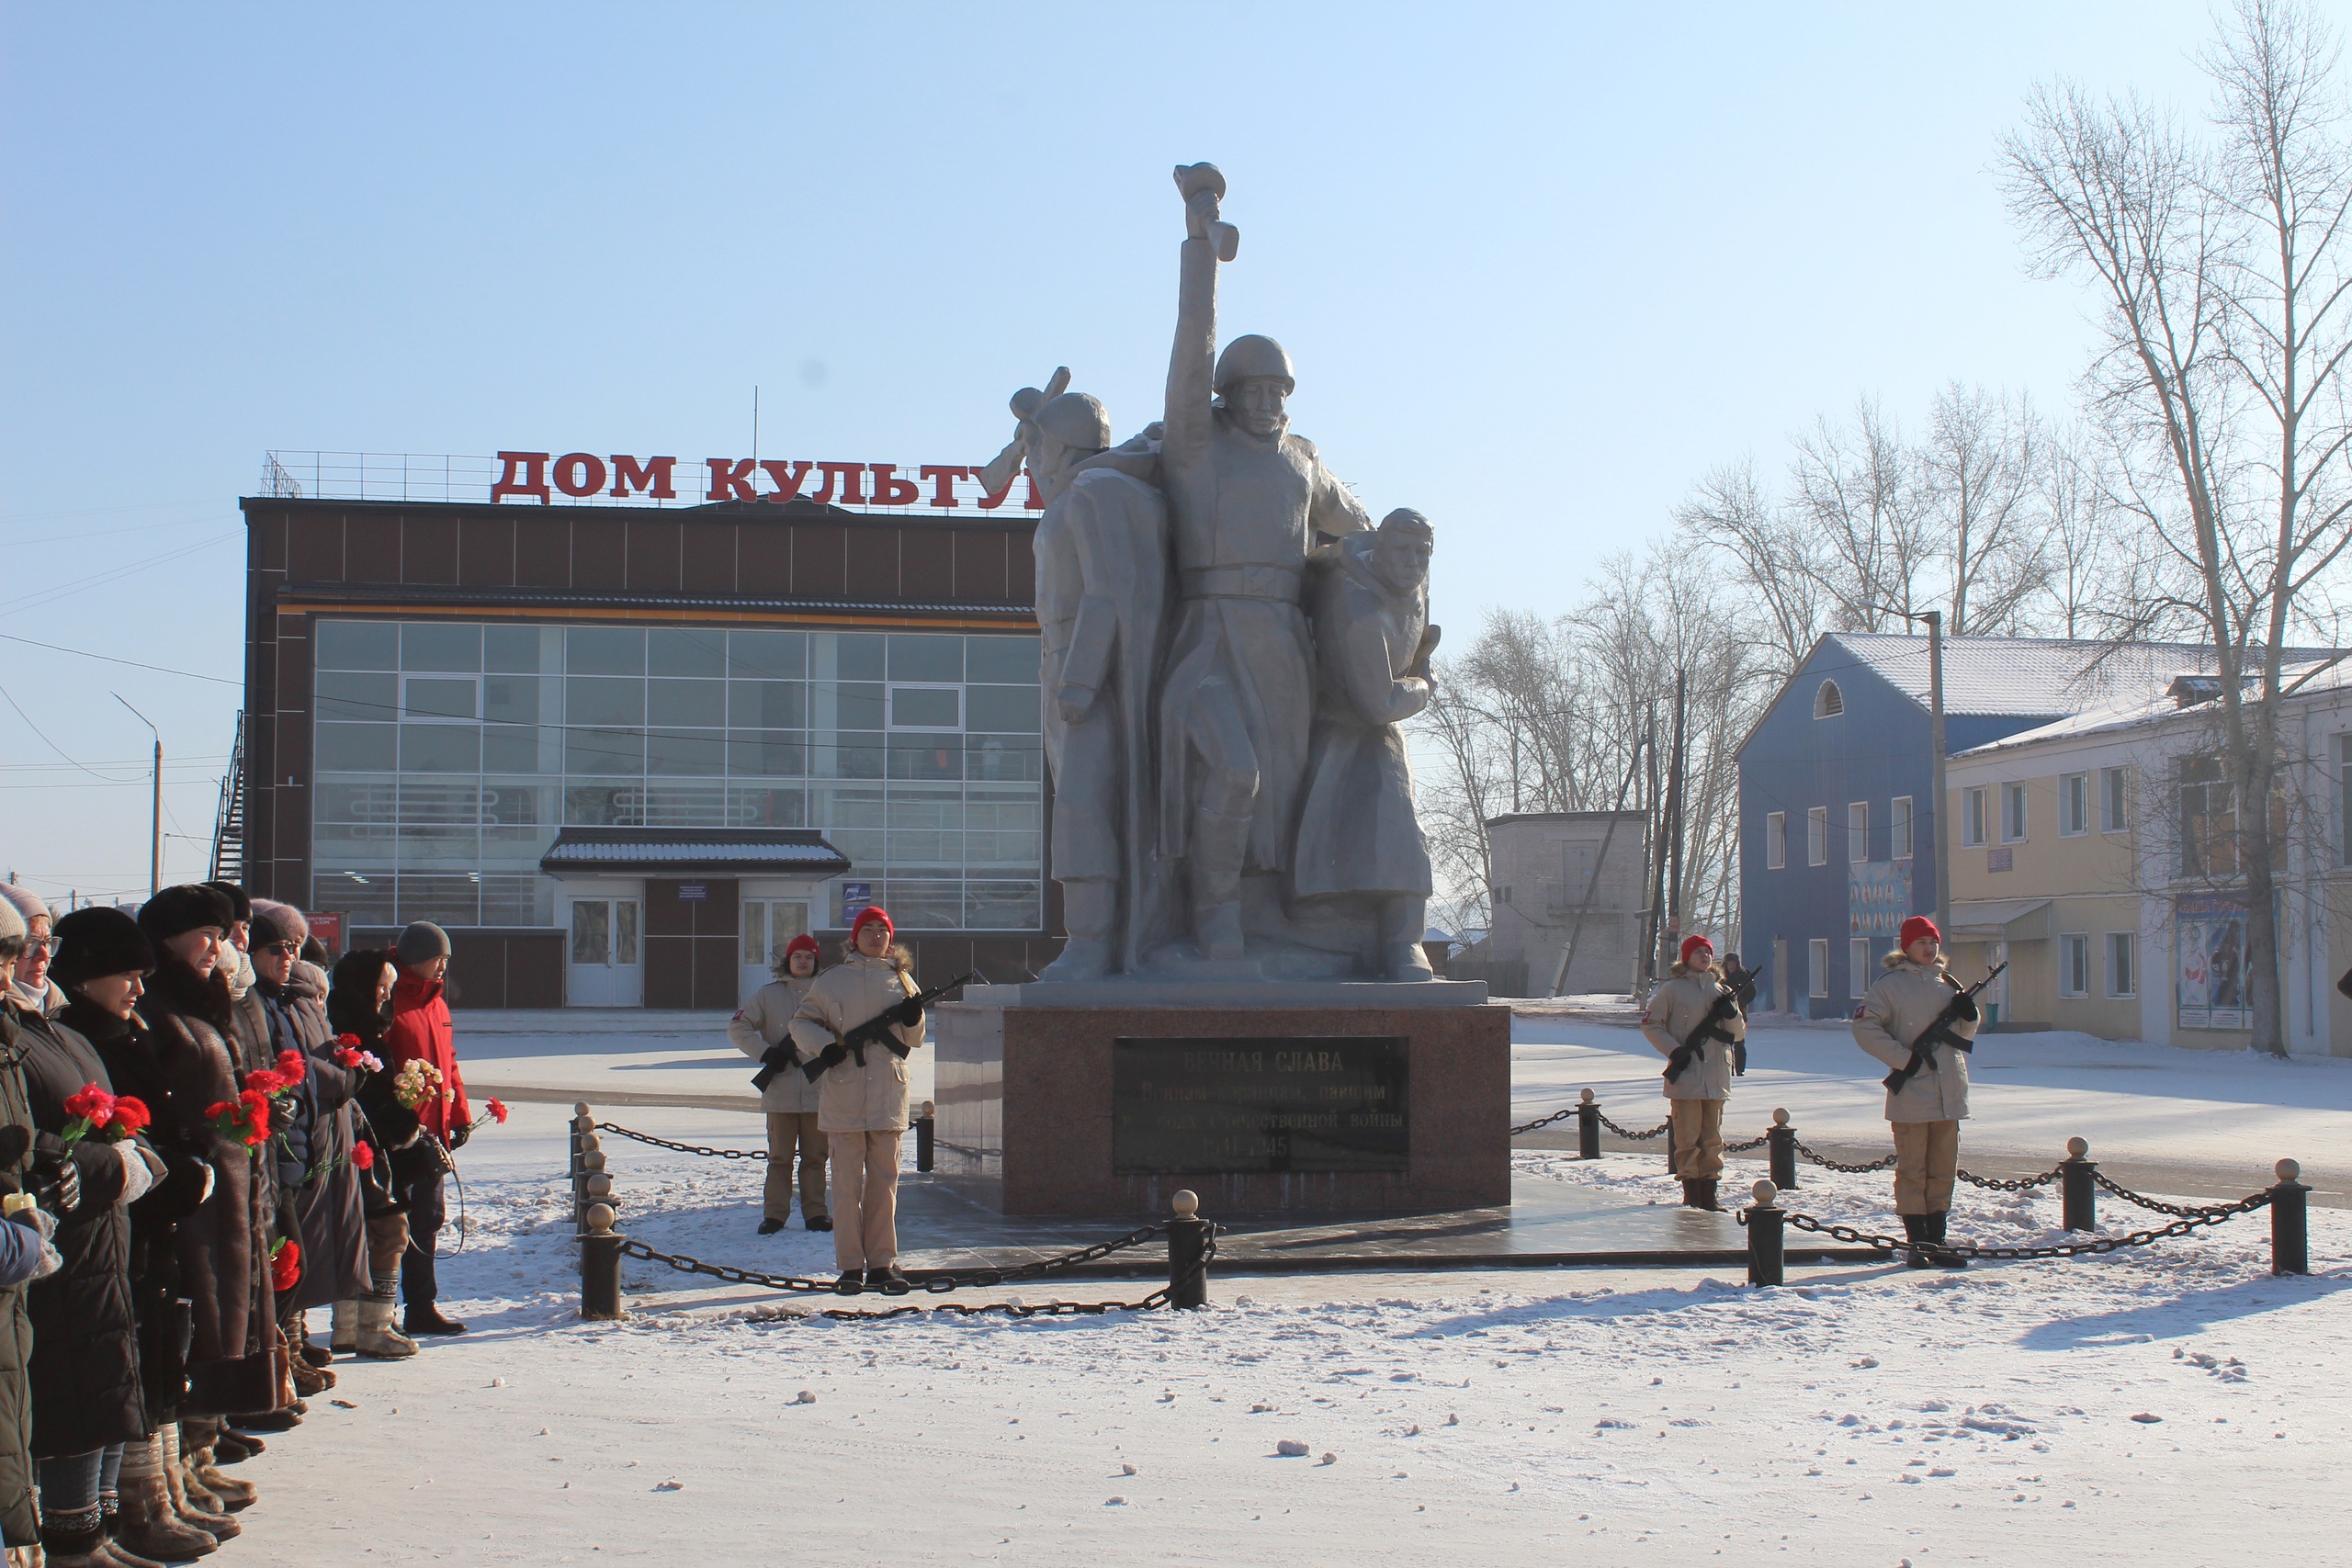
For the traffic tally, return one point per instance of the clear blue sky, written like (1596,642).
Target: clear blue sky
(1540,267)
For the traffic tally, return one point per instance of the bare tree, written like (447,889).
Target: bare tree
(1976,478)
(1774,558)
(1855,488)
(2221,273)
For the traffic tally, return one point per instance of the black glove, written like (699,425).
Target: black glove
(824,1061)
(1966,1011)
(53,1182)
(459,1134)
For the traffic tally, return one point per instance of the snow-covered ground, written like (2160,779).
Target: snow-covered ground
(2178,1402)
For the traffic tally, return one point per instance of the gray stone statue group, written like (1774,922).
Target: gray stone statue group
(1230,649)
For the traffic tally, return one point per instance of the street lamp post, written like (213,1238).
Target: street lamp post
(155,839)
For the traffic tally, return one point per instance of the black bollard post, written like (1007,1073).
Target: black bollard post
(1588,1127)
(2077,1195)
(1780,1151)
(1188,1250)
(2290,1221)
(1767,1255)
(600,1267)
(591,1170)
(926,1145)
(583,1126)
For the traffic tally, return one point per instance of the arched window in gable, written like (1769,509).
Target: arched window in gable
(1828,702)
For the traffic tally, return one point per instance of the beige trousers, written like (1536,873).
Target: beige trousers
(1925,1154)
(865,1199)
(794,1133)
(1698,1137)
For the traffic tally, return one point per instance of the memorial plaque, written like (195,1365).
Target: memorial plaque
(1226,1106)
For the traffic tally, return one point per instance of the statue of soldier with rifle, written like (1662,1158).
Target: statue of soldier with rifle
(1922,1023)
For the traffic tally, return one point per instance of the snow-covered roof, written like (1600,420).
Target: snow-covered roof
(2023,676)
(2320,677)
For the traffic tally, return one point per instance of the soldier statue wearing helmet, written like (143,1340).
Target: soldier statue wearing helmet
(1248,502)
(1102,552)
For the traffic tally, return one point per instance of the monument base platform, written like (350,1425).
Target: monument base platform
(1292,1108)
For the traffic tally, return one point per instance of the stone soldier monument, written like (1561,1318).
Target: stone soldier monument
(1102,547)
(1248,499)
(1230,652)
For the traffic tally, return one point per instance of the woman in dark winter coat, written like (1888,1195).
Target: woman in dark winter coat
(359,1004)
(102,961)
(20,1514)
(326,1187)
(86,1383)
(222,1249)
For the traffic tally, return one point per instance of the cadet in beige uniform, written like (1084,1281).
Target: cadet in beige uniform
(1926,1111)
(1696,995)
(790,1099)
(863,1110)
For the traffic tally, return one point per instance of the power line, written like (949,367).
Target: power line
(54,746)
(95,580)
(110,659)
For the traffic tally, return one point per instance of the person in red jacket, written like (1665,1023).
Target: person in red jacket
(420,1032)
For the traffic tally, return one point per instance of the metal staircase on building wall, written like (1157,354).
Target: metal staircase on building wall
(229,821)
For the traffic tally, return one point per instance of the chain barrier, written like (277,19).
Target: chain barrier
(2157,1204)
(975,1279)
(1637,1137)
(2022,1184)
(1543,1121)
(1755,1143)
(704,1149)
(2100,1244)
(1822,1159)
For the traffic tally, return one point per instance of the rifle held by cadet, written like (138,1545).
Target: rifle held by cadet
(1694,1044)
(876,1031)
(1923,1050)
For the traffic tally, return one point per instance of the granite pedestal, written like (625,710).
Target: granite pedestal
(1342,1097)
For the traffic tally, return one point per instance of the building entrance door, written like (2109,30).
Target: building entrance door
(606,968)
(691,942)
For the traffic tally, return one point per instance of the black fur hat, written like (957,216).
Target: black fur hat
(178,910)
(99,940)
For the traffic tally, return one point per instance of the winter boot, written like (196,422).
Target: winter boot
(204,1479)
(1916,1230)
(851,1282)
(120,1556)
(186,1507)
(148,1525)
(298,1336)
(344,1335)
(890,1280)
(308,1378)
(74,1538)
(424,1318)
(818,1222)
(236,1447)
(1945,1258)
(374,1335)
(1703,1190)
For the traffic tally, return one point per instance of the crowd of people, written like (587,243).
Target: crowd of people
(203,1138)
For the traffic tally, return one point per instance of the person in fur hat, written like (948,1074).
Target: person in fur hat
(1695,1022)
(762,1025)
(862,1106)
(1925,1110)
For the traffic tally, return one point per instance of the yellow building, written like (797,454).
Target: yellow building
(2098,856)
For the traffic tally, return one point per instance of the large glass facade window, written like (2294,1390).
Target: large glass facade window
(449,754)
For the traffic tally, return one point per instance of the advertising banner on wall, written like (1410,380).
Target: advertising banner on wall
(2208,961)
(1878,900)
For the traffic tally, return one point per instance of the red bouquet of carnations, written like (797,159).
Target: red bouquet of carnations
(110,1118)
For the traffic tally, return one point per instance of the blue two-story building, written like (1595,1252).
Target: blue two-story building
(1837,819)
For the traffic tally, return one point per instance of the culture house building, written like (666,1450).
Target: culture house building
(626,727)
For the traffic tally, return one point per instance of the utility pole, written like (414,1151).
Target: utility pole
(1676,807)
(155,837)
(1654,826)
(1935,619)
